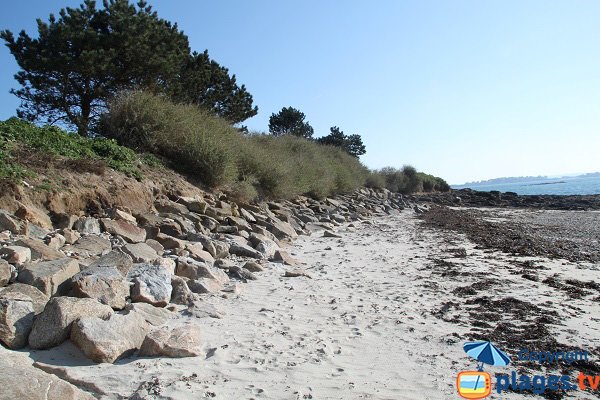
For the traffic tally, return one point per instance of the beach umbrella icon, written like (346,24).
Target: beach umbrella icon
(486,353)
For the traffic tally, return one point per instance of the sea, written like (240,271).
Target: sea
(560,186)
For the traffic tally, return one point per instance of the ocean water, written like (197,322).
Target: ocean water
(561,186)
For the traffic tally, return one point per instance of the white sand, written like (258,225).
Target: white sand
(363,328)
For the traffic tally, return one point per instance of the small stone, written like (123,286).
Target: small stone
(331,234)
(295,273)
(284,257)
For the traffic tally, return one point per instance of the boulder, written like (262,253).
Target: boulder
(167,263)
(38,298)
(198,253)
(331,234)
(151,284)
(280,229)
(155,316)
(181,292)
(155,245)
(91,245)
(50,277)
(188,268)
(205,285)
(16,254)
(6,272)
(122,215)
(114,259)
(253,266)
(12,224)
(53,325)
(182,341)
(140,252)
(39,249)
(169,242)
(64,221)
(105,341)
(70,236)
(127,230)
(34,384)
(193,204)
(105,284)
(242,274)
(56,241)
(168,206)
(16,318)
(244,250)
(34,215)
(283,257)
(263,244)
(87,226)
(201,309)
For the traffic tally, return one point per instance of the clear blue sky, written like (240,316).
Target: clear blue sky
(466,90)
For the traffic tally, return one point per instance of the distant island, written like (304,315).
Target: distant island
(519,179)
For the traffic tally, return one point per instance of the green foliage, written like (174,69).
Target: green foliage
(290,121)
(86,55)
(17,134)
(351,144)
(226,99)
(408,180)
(208,148)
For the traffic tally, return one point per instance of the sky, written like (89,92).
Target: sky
(462,89)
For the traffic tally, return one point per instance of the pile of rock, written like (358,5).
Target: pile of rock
(110,282)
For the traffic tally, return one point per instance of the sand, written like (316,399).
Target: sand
(381,319)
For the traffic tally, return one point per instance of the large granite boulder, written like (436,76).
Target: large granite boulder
(53,325)
(39,250)
(16,254)
(16,318)
(181,292)
(50,277)
(141,252)
(191,269)
(38,298)
(151,284)
(105,341)
(128,231)
(105,284)
(114,259)
(182,341)
(90,245)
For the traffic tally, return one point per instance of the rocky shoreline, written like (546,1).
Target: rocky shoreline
(110,282)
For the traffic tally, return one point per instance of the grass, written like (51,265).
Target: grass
(20,140)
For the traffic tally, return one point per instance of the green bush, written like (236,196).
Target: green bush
(408,180)
(206,147)
(17,134)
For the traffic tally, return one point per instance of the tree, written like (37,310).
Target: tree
(86,55)
(206,83)
(290,121)
(352,144)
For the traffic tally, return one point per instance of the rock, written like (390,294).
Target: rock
(5,236)
(198,253)
(168,206)
(39,250)
(167,263)
(151,284)
(253,266)
(280,229)
(247,215)
(12,224)
(56,241)
(16,254)
(153,315)
(239,223)
(105,284)
(140,252)
(91,245)
(50,277)
(284,257)
(38,298)
(87,226)
(191,269)
(263,244)
(205,285)
(35,384)
(244,250)
(122,215)
(6,272)
(331,234)
(53,325)
(70,236)
(224,263)
(242,274)
(16,318)
(200,309)
(169,242)
(128,231)
(34,215)
(181,292)
(294,273)
(105,341)
(155,245)
(193,204)
(114,259)
(209,223)
(182,341)
(64,221)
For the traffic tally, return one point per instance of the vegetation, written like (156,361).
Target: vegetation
(406,180)
(86,55)
(207,147)
(290,121)
(351,144)
(20,140)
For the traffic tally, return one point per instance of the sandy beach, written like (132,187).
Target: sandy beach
(386,312)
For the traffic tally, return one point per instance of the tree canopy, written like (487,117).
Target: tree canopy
(290,121)
(87,54)
(352,144)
